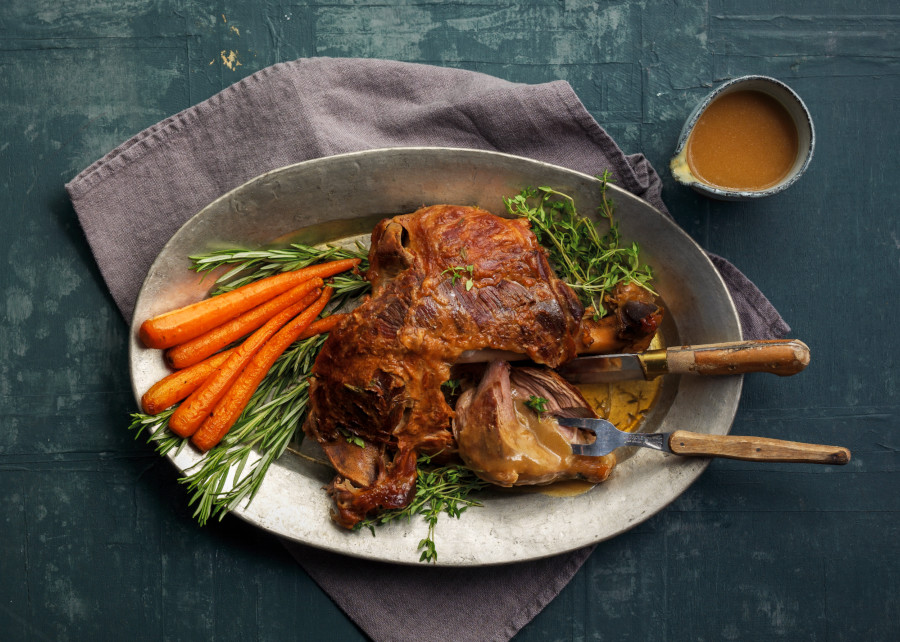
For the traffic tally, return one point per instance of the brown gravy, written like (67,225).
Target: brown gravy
(745,140)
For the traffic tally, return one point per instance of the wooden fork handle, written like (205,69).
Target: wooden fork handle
(684,442)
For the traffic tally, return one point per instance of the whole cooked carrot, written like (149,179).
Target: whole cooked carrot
(191,413)
(232,404)
(169,390)
(184,324)
(197,349)
(321,326)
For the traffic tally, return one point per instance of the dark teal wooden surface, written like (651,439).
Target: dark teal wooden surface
(95,538)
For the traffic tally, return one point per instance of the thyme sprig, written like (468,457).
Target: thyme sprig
(538,404)
(441,489)
(590,263)
(459,272)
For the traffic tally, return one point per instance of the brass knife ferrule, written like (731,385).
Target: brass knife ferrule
(654,363)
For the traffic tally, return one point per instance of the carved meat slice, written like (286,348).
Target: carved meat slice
(508,443)
(445,280)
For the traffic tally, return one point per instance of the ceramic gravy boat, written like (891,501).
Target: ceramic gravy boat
(798,113)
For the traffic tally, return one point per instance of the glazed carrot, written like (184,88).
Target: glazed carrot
(321,326)
(325,270)
(168,391)
(179,385)
(191,321)
(196,350)
(191,413)
(232,404)
(184,324)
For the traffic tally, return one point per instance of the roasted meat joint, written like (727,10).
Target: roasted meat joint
(448,280)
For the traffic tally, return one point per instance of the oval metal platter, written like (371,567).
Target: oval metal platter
(343,196)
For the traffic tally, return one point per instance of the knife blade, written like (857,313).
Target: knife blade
(780,357)
(694,444)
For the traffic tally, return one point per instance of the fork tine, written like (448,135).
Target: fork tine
(606,436)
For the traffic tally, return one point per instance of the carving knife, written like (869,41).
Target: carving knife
(781,357)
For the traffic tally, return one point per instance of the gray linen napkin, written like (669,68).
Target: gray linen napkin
(132,200)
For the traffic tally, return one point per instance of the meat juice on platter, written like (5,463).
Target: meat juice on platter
(446,280)
(624,403)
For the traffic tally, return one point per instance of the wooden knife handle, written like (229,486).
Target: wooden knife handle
(684,442)
(781,357)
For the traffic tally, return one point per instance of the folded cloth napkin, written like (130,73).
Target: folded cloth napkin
(131,201)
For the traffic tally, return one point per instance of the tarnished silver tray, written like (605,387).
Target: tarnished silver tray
(343,196)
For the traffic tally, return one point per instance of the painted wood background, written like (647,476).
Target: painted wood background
(96,541)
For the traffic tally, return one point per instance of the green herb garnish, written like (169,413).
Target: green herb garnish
(252,265)
(262,433)
(356,440)
(458,272)
(165,441)
(444,489)
(591,264)
(538,404)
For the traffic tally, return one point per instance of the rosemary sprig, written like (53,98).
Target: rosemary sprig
(443,489)
(156,427)
(252,265)
(276,411)
(262,433)
(591,264)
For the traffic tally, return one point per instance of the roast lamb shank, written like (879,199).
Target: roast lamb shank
(446,280)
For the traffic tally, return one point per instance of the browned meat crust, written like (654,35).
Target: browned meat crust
(631,327)
(445,279)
